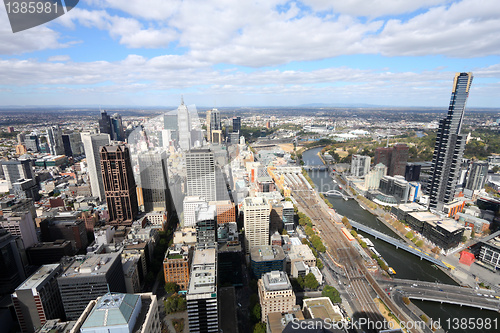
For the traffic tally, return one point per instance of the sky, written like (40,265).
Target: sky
(219,53)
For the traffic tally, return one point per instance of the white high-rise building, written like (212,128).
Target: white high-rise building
(20,224)
(360,165)
(184,124)
(256,215)
(92,144)
(54,139)
(200,170)
(190,205)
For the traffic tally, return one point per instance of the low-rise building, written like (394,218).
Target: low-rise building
(490,250)
(479,225)
(176,265)
(322,308)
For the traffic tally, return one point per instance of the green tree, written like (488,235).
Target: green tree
(332,293)
(310,281)
(319,263)
(409,235)
(175,303)
(259,328)
(419,243)
(256,313)
(171,287)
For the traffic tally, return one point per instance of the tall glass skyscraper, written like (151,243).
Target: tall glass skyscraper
(449,147)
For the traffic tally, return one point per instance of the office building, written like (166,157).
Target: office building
(200,169)
(412,172)
(372,178)
(396,187)
(105,123)
(14,170)
(118,313)
(256,218)
(226,211)
(117,132)
(275,294)
(476,177)
(119,185)
(267,258)
(20,224)
(449,147)
(55,141)
(394,158)
(288,216)
(67,226)
(236,125)
(67,145)
(76,145)
(87,278)
(37,299)
(190,205)
(92,144)
(490,250)
(214,126)
(49,252)
(154,181)
(176,265)
(202,293)
(206,227)
(360,165)
(11,264)
(32,143)
(184,126)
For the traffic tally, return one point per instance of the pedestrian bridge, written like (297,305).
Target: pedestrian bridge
(397,243)
(444,293)
(335,193)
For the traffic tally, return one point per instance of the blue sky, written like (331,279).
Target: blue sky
(254,53)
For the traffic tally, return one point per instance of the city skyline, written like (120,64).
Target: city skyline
(273,53)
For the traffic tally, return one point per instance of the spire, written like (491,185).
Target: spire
(182,100)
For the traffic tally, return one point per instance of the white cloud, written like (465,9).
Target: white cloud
(34,39)
(59,58)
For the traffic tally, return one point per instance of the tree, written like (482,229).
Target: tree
(171,287)
(419,243)
(256,314)
(406,300)
(319,263)
(175,303)
(259,328)
(310,281)
(332,293)
(464,239)
(472,234)
(409,235)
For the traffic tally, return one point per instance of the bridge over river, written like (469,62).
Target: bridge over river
(397,243)
(443,293)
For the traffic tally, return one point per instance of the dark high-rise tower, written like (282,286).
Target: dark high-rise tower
(154,181)
(449,147)
(119,184)
(105,123)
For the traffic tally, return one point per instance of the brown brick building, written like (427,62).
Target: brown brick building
(176,265)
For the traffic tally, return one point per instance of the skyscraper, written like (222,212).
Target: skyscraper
(236,124)
(256,215)
(449,147)
(119,184)
(206,227)
(213,124)
(394,158)
(200,169)
(360,165)
(201,295)
(105,123)
(55,141)
(478,173)
(92,144)
(154,180)
(117,133)
(14,170)
(184,126)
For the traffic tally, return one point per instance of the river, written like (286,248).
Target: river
(406,265)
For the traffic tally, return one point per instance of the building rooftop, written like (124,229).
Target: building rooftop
(322,308)
(411,207)
(113,310)
(425,216)
(449,225)
(206,213)
(203,277)
(276,280)
(266,253)
(38,277)
(97,264)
